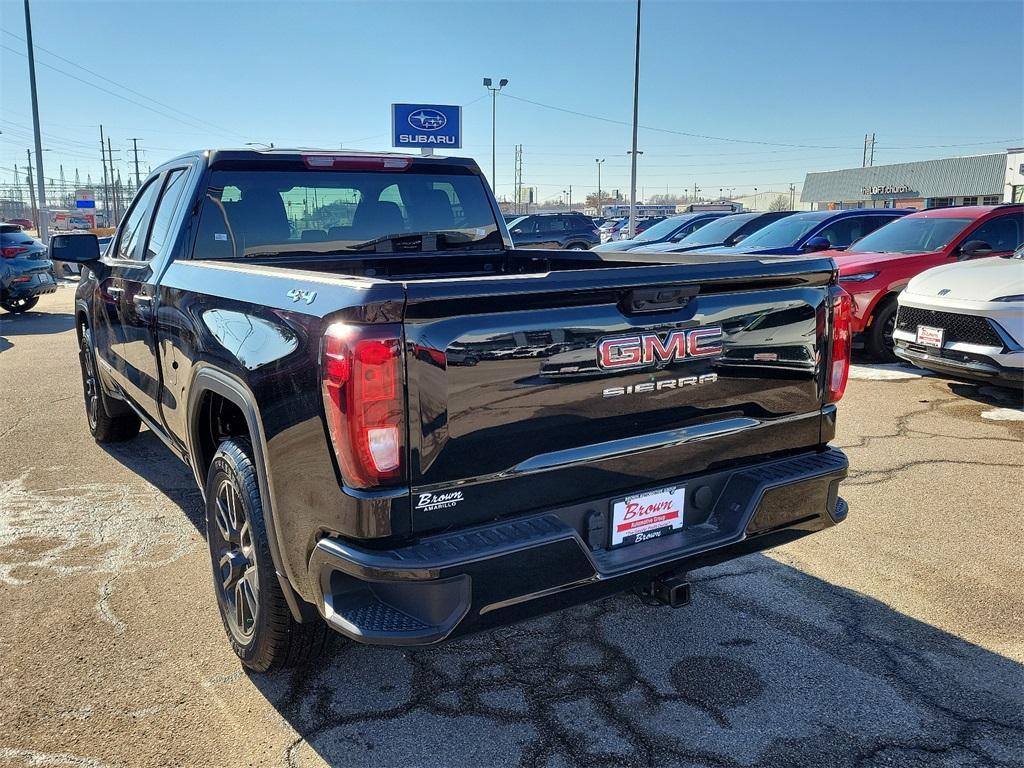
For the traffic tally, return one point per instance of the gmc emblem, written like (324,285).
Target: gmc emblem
(638,350)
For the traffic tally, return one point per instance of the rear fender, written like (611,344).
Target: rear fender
(207,379)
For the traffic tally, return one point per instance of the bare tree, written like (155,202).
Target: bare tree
(780,203)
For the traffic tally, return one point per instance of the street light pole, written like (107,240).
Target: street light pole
(44,215)
(494,101)
(599,199)
(636,113)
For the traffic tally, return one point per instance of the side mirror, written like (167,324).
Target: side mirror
(816,243)
(974,249)
(74,249)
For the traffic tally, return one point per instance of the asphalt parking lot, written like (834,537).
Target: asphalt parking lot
(894,639)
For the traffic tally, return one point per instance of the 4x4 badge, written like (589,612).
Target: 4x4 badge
(295,294)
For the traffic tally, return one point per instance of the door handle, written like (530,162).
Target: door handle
(143,306)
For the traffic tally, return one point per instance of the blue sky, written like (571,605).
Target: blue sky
(931,79)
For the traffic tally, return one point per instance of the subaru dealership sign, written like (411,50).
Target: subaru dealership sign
(426,126)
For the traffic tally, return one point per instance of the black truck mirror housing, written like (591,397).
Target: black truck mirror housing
(75,249)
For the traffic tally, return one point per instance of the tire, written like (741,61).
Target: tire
(106,424)
(575,247)
(17,306)
(256,617)
(878,338)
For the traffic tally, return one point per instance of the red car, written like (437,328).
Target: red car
(878,266)
(23,223)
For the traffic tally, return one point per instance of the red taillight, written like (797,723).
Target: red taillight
(11,251)
(839,360)
(361,370)
(357,162)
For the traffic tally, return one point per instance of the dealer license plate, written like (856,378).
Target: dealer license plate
(930,337)
(647,515)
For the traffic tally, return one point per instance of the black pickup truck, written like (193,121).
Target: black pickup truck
(406,430)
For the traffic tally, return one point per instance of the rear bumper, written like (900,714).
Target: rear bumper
(38,285)
(452,584)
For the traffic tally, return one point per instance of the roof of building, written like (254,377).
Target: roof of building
(946,177)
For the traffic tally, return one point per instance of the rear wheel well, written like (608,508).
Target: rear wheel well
(217,419)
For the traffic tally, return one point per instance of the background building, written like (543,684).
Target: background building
(974,180)
(1014,176)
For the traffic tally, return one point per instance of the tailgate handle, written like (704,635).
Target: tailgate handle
(658,299)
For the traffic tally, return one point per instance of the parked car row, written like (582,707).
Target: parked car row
(878,250)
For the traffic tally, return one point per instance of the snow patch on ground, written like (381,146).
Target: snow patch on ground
(886,372)
(1004,414)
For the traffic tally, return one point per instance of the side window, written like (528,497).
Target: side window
(160,232)
(526,227)
(549,224)
(1002,233)
(690,228)
(131,227)
(843,232)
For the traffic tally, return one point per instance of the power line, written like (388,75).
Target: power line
(100,88)
(125,87)
(744,141)
(669,130)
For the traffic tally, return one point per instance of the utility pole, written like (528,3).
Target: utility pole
(864,154)
(113,187)
(106,189)
(636,117)
(600,211)
(494,100)
(135,149)
(43,225)
(871,156)
(32,192)
(792,197)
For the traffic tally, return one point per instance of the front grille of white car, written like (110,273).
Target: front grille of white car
(970,329)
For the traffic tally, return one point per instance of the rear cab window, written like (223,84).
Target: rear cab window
(279,212)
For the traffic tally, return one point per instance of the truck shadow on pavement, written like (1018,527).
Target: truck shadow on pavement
(148,457)
(32,324)
(770,666)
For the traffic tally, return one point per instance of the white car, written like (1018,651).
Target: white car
(966,320)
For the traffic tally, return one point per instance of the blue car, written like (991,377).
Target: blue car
(812,231)
(672,229)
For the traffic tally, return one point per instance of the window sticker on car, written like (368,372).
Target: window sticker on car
(220,236)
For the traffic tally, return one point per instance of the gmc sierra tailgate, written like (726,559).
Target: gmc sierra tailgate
(529,391)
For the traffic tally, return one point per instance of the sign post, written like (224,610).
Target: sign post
(426,126)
